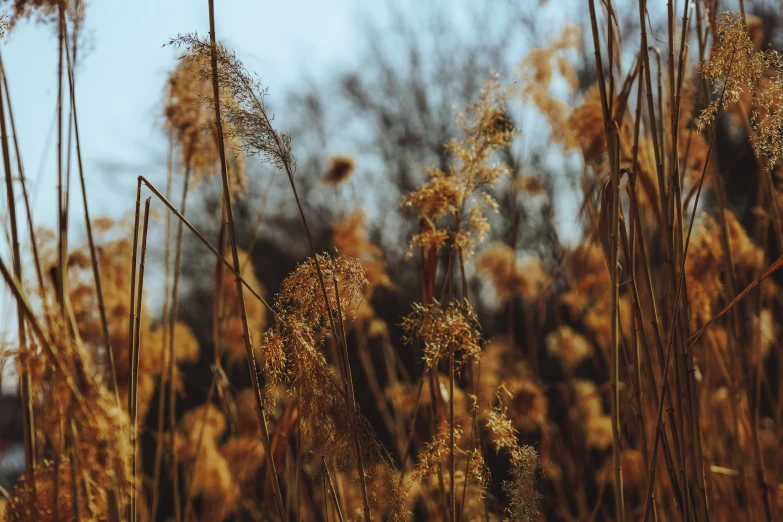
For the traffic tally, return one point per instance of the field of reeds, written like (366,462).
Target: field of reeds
(166,372)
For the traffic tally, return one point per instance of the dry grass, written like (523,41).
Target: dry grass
(634,376)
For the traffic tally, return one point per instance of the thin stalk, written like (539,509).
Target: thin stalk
(133,270)
(134,370)
(206,243)
(349,393)
(131,347)
(166,332)
(616,336)
(172,321)
(25,382)
(672,329)
(22,180)
(56,487)
(326,498)
(289,172)
(612,140)
(655,323)
(474,429)
(252,364)
(630,256)
(298,469)
(62,245)
(217,309)
(409,444)
(697,454)
(644,52)
(452,446)
(334,493)
(93,255)
(75,495)
(45,342)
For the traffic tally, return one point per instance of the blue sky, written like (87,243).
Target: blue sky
(121,79)
(120,82)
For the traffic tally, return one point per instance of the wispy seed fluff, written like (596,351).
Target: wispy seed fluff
(291,348)
(293,356)
(460,197)
(734,62)
(301,294)
(192,121)
(340,169)
(444,329)
(61,371)
(568,346)
(523,498)
(244,110)
(512,277)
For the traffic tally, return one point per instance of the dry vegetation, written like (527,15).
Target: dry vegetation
(646,383)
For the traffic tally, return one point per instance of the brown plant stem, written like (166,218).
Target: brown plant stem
(93,255)
(25,383)
(638,323)
(409,444)
(171,369)
(207,244)
(331,488)
(644,53)
(62,194)
(612,140)
(166,332)
(252,364)
(134,370)
(72,456)
(350,394)
(352,399)
(22,181)
(675,312)
(43,339)
(452,446)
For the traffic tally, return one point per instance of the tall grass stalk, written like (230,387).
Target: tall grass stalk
(252,365)
(613,149)
(206,243)
(343,351)
(133,367)
(162,395)
(675,312)
(333,491)
(172,321)
(23,183)
(25,383)
(112,377)
(62,194)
